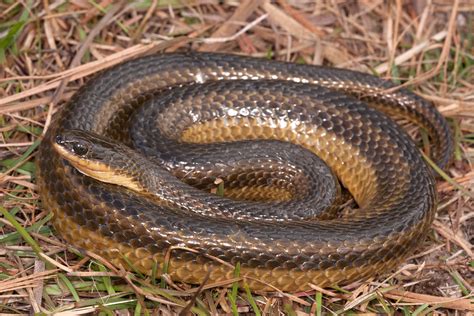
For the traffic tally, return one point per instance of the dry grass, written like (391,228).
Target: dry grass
(47,49)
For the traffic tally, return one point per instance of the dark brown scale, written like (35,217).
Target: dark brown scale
(216,98)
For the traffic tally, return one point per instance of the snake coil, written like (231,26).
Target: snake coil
(197,116)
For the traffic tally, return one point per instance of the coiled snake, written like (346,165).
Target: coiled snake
(203,116)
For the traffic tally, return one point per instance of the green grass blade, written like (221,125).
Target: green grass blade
(69,286)
(251,300)
(234,291)
(319,303)
(447,178)
(22,231)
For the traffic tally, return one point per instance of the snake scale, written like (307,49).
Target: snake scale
(189,118)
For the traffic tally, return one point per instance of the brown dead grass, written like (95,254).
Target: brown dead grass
(426,45)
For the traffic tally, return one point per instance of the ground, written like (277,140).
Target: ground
(47,50)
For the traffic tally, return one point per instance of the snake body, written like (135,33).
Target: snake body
(196,115)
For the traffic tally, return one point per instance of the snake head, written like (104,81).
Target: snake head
(95,156)
(88,153)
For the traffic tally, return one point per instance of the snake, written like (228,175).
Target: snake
(129,168)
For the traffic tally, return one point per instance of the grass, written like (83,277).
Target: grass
(428,49)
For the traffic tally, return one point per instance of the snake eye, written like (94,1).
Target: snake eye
(80,149)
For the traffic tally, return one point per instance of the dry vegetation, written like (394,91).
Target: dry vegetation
(48,48)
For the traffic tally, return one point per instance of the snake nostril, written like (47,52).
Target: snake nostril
(59,139)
